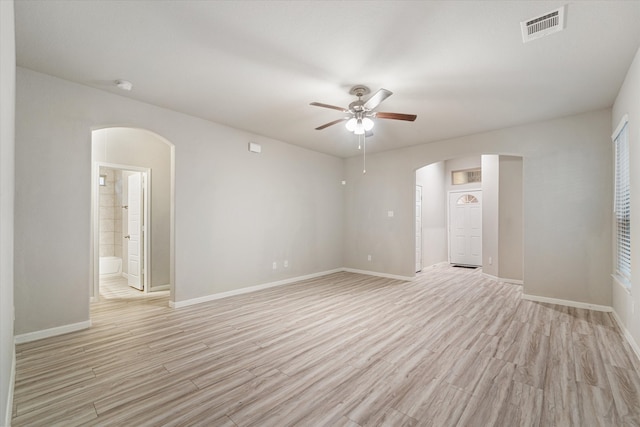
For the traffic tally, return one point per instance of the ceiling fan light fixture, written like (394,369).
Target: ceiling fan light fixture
(367,123)
(351,124)
(359,126)
(359,122)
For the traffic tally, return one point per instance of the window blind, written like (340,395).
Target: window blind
(622,204)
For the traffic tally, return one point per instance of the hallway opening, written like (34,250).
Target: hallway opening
(132,209)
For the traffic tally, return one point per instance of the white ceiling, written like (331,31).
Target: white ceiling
(460,66)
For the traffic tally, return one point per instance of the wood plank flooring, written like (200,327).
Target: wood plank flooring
(451,348)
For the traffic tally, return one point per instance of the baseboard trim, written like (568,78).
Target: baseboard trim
(627,335)
(12,381)
(568,303)
(52,332)
(160,288)
(377,274)
(212,297)
(501,279)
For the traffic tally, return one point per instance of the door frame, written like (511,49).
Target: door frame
(418,262)
(95,220)
(466,190)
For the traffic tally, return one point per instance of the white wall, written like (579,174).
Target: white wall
(236,212)
(7,139)
(432,178)
(138,147)
(232,205)
(627,306)
(502,217)
(491,214)
(567,183)
(510,219)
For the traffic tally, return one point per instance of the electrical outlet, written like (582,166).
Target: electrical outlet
(368,257)
(285,264)
(490,261)
(275,265)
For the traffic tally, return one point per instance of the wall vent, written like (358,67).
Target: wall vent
(543,25)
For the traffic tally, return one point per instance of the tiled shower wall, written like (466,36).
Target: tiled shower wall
(111,213)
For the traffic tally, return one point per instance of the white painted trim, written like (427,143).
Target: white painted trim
(622,282)
(172,220)
(47,333)
(568,303)
(212,297)
(160,288)
(623,121)
(491,277)
(12,381)
(632,343)
(146,242)
(415,229)
(377,274)
(94,263)
(500,279)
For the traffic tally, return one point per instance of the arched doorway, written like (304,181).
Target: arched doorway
(132,209)
(500,180)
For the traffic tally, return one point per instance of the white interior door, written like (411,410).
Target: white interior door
(465,228)
(134,230)
(418,228)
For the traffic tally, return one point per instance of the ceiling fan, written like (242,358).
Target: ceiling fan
(360,113)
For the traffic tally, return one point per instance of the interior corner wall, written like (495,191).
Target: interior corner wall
(490,214)
(236,212)
(625,304)
(567,183)
(7,146)
(432,178)
(510,218)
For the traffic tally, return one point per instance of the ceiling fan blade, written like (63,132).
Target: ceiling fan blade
(326,125)
(333,107)
(377,98)
(397,116)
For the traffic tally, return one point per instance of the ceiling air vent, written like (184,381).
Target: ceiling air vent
(543,25)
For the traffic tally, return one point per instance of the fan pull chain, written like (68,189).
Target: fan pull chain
(364,154)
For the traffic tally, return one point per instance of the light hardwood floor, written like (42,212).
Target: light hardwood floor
(451,348)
